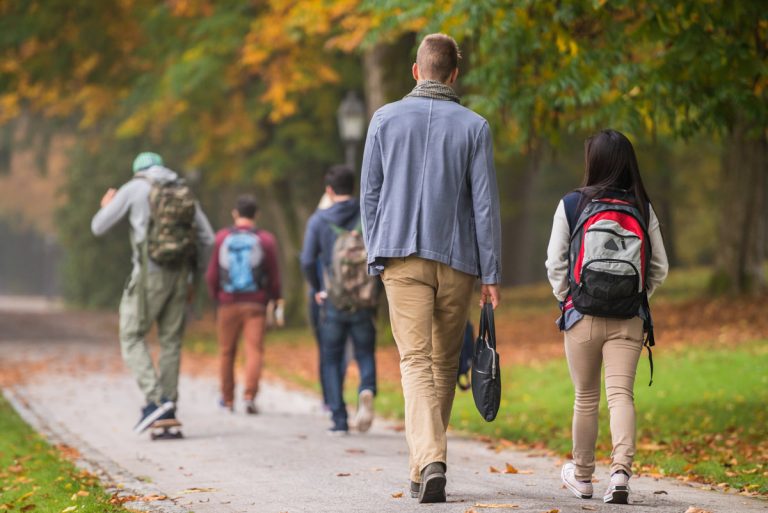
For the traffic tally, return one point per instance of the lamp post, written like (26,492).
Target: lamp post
(351,118)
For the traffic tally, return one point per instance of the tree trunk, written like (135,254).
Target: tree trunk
(387,70)
(373,67)
(666,199)
(288,219)
(742,245)
(520,264)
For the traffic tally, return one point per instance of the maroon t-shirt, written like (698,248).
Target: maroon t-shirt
(271,271)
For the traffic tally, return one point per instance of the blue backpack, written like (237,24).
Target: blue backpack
(241,260)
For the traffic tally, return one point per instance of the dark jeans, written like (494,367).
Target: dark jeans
(335,327)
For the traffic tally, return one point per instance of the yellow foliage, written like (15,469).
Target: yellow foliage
(287,47)
(9,107)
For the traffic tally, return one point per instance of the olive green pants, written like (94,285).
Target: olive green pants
(165,295)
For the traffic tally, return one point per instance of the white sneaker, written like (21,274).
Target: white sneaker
(581,489)
(364,416)
(618,489)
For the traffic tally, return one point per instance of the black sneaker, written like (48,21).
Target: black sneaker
(150,413)
(433,481)
(415,487)
(339,429)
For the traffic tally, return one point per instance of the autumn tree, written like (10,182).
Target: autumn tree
(236,93)
(538,69)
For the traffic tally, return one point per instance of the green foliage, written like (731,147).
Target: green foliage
(94,269)
(539,67)
(34,476)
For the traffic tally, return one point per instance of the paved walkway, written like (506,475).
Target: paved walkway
(280,460)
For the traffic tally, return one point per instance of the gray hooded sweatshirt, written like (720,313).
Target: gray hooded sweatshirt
(133,199)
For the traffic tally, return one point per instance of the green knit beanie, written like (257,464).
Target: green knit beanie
(146,160)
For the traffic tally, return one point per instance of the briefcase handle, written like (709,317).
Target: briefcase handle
(488,326)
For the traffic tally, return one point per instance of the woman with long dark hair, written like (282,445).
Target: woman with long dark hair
(605,257)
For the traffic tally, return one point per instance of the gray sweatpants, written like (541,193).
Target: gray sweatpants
(165,296)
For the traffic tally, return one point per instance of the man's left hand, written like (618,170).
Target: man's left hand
(490,294)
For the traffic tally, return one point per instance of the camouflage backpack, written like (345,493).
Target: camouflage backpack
(348,284)
(171,231)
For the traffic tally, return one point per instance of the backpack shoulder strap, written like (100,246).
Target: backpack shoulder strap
(571,202)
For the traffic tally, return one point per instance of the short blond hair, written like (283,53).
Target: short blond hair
(438,55)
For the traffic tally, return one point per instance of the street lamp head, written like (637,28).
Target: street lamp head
(351,117)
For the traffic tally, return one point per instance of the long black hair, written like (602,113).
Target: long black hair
(610,164)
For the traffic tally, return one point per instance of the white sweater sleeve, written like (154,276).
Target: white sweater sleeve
(659,266)
(557,254)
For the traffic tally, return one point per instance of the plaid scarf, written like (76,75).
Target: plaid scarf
(435,90)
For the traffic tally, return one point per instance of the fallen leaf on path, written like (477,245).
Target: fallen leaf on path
(343,474)
(510,469)
(693,509)
(397,495)
(493,470)
(553,511)
(660,492)
(197,490)
(154,497)
(589,508)
(496,506)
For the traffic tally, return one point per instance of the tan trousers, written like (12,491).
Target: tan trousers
(232,320)
(428,304)
(588,344)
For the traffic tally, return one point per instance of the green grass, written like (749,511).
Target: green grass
(705,415)
(35,478)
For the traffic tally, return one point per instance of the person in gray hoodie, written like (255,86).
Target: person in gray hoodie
(153,293)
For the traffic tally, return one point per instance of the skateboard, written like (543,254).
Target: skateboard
(166,430)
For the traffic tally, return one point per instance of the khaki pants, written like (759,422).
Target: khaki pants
(166,299)
(428,304)
(588,344)
(232,320)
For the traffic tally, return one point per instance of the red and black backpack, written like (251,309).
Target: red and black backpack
(608,257)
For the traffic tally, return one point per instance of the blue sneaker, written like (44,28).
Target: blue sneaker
(152,412)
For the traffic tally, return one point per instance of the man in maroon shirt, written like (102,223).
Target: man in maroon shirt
(243,276)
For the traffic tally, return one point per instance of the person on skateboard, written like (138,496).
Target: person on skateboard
(171,239)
